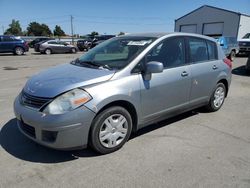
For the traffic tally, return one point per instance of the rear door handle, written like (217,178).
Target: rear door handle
(184,73)
(215,67)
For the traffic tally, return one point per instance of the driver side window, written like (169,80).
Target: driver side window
(170,52)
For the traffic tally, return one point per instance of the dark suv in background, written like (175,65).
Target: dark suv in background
(37,40)
(92,41)
(12,44)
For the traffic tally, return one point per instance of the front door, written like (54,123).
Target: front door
(168,91)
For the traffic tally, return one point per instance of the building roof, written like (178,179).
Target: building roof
(238,13)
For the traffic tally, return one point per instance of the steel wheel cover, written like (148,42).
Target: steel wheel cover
(113,130)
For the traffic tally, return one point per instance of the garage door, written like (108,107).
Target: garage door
(188,28)
(213,29)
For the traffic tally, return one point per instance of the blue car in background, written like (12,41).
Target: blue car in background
(12,44)
(229,45)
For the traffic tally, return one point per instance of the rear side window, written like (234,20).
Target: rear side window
(198,50)
(7,39)
(52,42)
(202,50)
(212,50)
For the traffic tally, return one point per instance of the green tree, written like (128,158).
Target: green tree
(58,31)
(36,29)
(94,33)
(121,33)
(14,28)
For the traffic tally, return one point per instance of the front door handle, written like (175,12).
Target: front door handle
(215,67)
(184,73)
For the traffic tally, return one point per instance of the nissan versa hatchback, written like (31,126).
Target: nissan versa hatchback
(120,86)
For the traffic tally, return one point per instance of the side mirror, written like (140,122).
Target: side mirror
(154,67)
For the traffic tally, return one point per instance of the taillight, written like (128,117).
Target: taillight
(228,62)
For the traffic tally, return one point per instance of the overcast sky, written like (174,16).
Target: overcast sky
(109,16)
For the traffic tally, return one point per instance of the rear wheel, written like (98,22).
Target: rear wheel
(217,98)
(232,55)
(19,51)
(110,130)
(73,50)
(48,51)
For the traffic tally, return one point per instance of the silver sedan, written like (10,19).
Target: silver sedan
(54,46)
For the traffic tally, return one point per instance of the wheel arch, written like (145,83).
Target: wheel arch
(225,82)
(128,106)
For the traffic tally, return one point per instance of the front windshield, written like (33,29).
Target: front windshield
(115,53)
(247,36)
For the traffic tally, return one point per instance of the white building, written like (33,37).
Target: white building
(213,21)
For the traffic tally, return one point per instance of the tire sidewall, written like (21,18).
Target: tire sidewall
(96,126)
(73,50)
(211,102)
(22,50)
(48,50)
(232,55)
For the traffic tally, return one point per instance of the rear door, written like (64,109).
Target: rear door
(168,91)
(204,68)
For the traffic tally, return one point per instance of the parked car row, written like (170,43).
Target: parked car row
(47,45)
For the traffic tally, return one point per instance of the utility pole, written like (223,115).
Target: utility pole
(72,32)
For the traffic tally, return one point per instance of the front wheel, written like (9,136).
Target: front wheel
(110,130)
(19,51)
(217,98)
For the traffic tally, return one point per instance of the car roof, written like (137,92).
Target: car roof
(155,35)
(159,35)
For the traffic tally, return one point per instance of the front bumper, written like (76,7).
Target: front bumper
(64,131)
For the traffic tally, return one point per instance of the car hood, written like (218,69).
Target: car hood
(62,78)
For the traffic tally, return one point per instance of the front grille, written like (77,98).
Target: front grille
(28,129)
(32,101)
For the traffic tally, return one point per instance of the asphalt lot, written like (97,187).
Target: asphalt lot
(195,149)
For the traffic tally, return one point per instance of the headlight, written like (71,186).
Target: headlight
(67,102)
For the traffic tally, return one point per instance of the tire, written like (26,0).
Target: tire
(48,51)
(232,55)
(73,50)
(217,98)
(110,130)
(19,51)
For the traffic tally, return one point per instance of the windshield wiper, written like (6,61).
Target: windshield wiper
(93,64)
